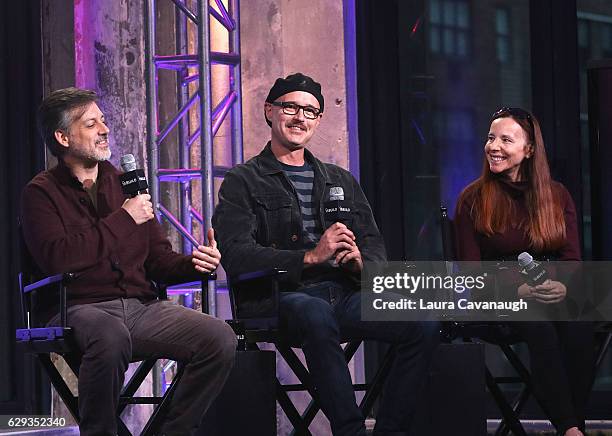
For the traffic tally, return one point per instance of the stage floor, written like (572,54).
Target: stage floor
(539,428)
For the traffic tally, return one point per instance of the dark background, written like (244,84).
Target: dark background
(21,385)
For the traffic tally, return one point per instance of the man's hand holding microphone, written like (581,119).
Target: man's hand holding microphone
(140,208)
(338,241)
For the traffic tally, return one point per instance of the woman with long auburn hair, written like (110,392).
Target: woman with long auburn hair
(515,206)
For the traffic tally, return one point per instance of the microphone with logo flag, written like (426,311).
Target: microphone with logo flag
(532,269)
(337,209)
(133,180)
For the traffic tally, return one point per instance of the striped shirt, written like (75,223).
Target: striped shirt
(302,179)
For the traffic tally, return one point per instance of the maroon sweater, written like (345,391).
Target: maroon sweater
(112,255)
(474,246)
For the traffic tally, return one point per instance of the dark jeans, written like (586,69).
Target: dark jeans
(318,318)
(111,333)
(562,361)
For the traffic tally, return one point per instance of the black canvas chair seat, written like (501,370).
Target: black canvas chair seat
(254,302)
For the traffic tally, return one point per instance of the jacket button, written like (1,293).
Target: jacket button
(82,200)
(294,238)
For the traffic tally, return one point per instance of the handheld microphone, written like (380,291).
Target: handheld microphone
(337,209)
(532,269)
(133,180)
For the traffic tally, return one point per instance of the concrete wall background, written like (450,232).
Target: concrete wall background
(109,58)
(280,37)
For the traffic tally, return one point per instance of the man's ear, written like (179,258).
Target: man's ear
(268,112)
(62,138)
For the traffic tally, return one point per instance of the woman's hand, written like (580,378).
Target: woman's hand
(549,292)
(525,291)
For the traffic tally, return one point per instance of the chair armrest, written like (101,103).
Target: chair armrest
(60,280)
(164,289)
(270,273)
(66,277)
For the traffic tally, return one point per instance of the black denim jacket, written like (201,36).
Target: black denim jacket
(258,222)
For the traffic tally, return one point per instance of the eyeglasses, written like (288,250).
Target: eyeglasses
(516,112)
(290,108)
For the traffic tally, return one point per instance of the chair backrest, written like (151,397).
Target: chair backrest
(27,274)
(30,273)
(255,303)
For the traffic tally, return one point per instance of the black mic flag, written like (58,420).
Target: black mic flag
(532,269)
(133,180)
(337,209)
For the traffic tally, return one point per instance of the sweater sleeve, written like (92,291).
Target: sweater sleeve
(165,265)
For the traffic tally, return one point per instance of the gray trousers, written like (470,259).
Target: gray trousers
(112,333)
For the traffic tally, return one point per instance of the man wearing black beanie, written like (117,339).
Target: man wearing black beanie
(272,214)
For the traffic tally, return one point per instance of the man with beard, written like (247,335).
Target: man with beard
(271,215)
(76,218)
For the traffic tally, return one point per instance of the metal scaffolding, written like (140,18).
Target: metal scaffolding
(195,125)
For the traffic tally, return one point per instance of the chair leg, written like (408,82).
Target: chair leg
(310,412)
(377,382)
(296,365)
(508,415)
(299,427)
(71,401)
(517,407)
(523,395)
(525,376)
(160,411)
(601,354)
(302,422)
(313,407)
(603,349)
(298,368)
(350,349)
(74,363)
(135,381)
(516,363)
(122,429)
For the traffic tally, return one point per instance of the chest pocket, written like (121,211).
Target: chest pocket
(273,217)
